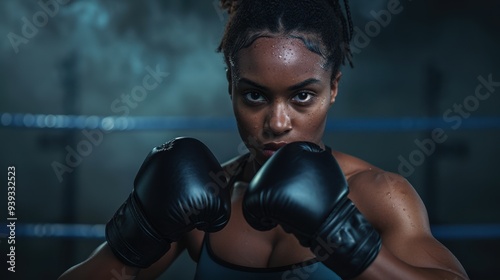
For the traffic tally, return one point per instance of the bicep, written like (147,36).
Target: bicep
(102,264)
(395,209)
(423,251)
(156,269)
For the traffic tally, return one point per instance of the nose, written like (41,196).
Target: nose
(278,121)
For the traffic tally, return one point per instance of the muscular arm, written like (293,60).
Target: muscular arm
(146,231)
(409,251)
(103,264)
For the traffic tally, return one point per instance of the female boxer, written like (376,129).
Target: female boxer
(292,208)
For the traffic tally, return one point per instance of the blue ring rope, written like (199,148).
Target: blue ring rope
(129,123)
(96,231)
(117,123)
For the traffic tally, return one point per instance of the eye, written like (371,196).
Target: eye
(254,97)
(303,97)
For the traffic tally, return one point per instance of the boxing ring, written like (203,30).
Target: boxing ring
(128,123)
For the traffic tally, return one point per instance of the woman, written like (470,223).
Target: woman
(283,67)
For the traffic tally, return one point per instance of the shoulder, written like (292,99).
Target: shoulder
(393,207)
(365,178)
(387,199)
(352,165)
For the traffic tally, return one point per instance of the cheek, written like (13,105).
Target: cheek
(315,121)
(313,124)
(247,121)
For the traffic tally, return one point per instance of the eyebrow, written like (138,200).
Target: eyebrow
(304,84)
(290,88)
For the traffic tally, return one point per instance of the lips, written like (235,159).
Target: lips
(270,148)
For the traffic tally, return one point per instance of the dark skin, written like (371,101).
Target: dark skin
(281,92)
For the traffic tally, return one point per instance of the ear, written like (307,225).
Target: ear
(334,87)
(229,82)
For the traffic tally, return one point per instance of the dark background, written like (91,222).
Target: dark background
(86,54)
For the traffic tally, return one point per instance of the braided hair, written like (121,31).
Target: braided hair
(320,24)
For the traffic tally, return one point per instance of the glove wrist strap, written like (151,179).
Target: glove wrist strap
(132,239)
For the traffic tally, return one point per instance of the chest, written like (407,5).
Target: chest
(238,243)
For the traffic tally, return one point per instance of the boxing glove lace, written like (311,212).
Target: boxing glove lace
(174,192)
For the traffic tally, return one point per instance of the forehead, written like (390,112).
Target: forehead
(282,56)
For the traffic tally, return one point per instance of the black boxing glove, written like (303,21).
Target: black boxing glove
(176,190)
(302,188)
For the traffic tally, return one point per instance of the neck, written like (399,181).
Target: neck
(250,169)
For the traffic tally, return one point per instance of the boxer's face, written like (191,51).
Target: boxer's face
(281,93)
